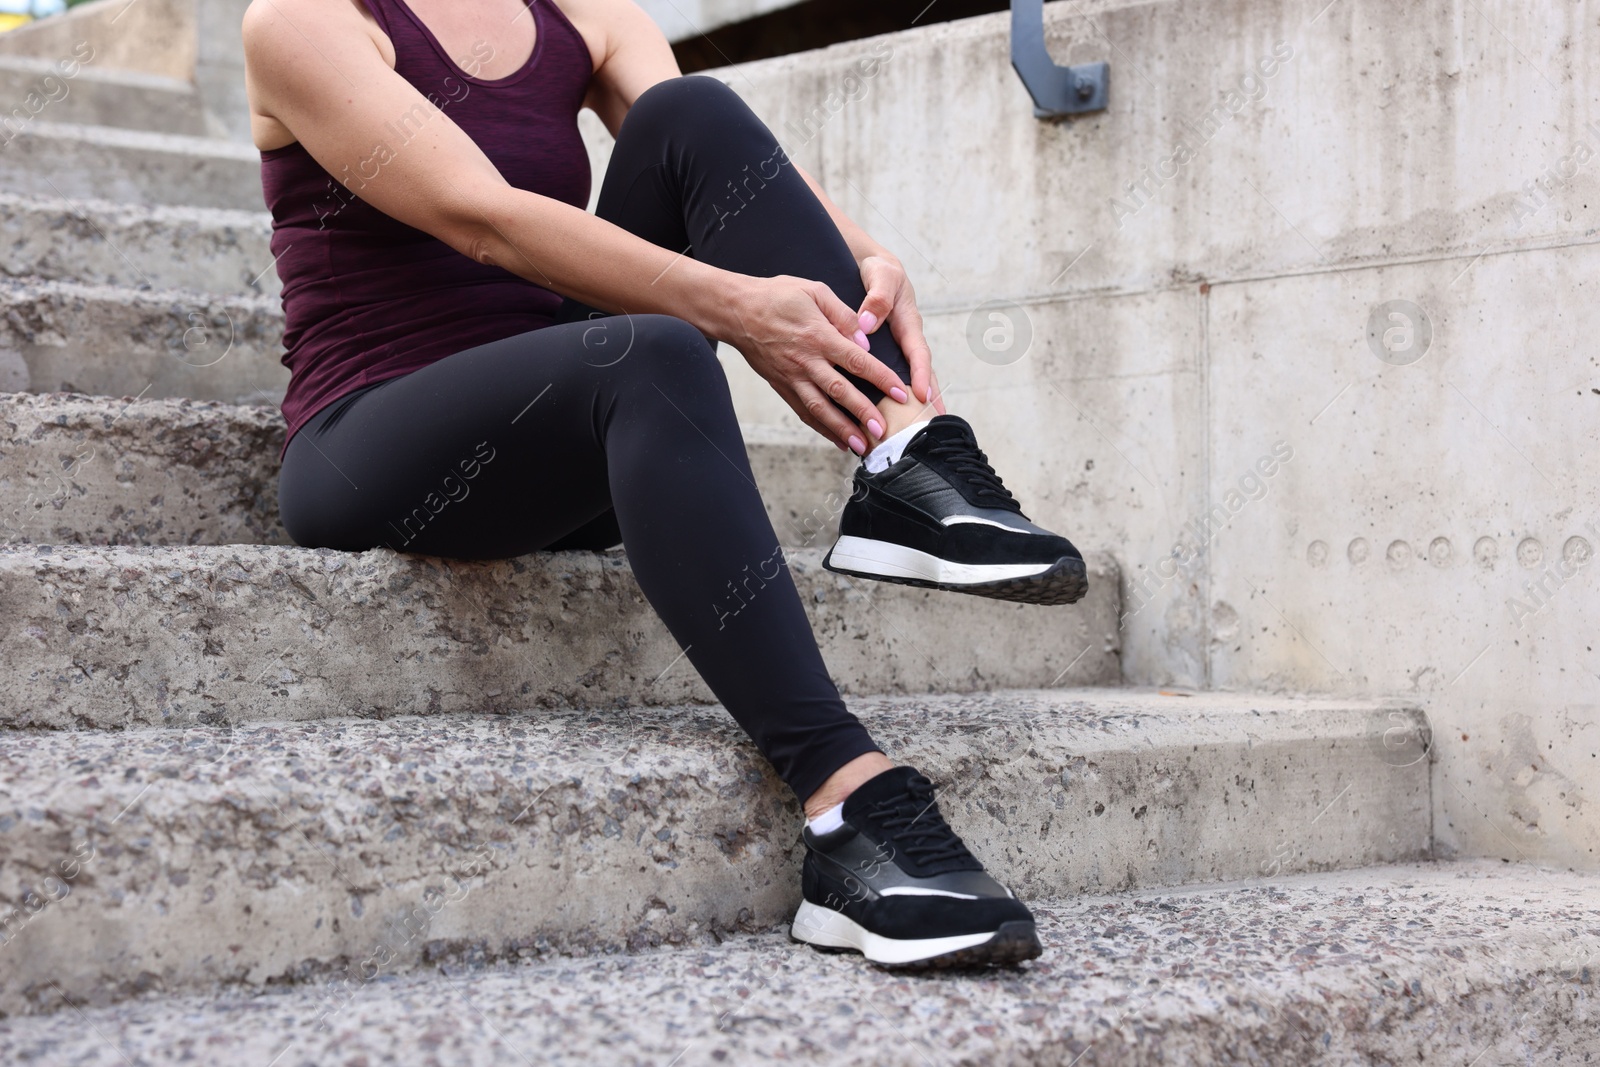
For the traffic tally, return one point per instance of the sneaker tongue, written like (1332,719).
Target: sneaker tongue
(945,428)
(892,783)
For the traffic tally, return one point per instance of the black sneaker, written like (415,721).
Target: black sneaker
(940,517)
(896,884)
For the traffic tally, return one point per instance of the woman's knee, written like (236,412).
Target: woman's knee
(669,357)
(688,98)
(313,511)
(662,342)
(693,109)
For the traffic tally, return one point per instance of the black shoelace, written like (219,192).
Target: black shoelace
(966,459)
(917,830)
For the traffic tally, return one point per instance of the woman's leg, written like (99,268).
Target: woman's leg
(536,440)
(695,170)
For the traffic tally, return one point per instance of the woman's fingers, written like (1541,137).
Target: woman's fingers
(878,308)
(906,325)
(820,413)
(839,314)
(863,365)
(842,392)
(803,358)
(875,309)
(884,280)
(798,407)
(889,299)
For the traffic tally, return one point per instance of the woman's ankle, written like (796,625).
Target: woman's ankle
(897,417)
(842,782)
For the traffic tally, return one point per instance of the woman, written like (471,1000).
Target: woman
(452,312)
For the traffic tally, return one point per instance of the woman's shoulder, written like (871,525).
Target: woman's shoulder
(277,58)
(283,29)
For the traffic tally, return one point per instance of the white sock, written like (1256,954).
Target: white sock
(828,821)
(892,448)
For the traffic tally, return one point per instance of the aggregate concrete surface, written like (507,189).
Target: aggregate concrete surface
(176,636)
(104,97)
(54,159)
(81,469)
(101,242)
(1460,963)
(78,469)
(171,859)
(115,341)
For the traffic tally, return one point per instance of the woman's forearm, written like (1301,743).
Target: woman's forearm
(573,253)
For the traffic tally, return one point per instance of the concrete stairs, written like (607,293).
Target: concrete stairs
(64,159)
(94,97)
(483,811)
(119,637)
(273,852)
(88,470)
(136,300)
(126,342)
(1470,963)
(102,242)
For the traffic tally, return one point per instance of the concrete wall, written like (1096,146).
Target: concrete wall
(1210,337)
(150,36)
(682,19)
(219,66)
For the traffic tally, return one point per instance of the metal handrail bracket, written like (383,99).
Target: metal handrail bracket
(1057,91)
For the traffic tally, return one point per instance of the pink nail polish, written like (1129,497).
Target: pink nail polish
(861,339)
(898,395)
(875,428)
(869,321)
(857,445)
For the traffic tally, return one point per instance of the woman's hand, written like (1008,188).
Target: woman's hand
(798,335)
(890,299)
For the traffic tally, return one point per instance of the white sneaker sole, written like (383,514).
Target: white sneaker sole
(826,928)
(886,559)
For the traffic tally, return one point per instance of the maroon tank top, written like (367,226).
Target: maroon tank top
(367,298)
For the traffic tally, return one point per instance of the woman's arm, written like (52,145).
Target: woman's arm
(634,56)
(315,68)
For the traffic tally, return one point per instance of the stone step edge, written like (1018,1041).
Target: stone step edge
(24,288)
(116,636)
(117,407)
(80,469)
(192,255)
(628,828)
(121,213)
(117,137)
(98,470)
(1125,979)
(69,336)
(80,409)
(135,166)
(111,78)
(125,213)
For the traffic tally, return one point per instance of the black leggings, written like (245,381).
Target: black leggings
(620,428)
